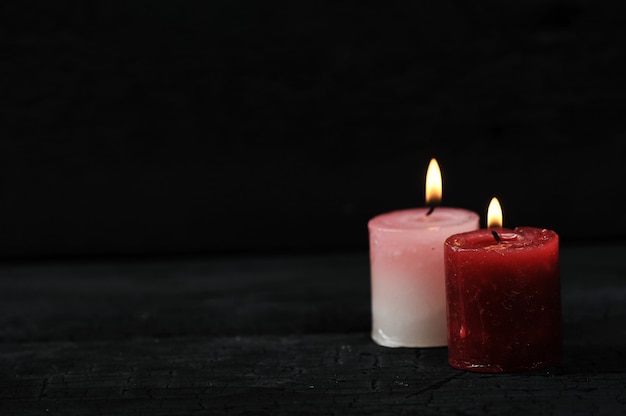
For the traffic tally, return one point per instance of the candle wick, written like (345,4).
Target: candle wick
(430,211)
(497,237)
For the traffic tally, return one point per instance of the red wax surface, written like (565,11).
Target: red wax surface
(503,300)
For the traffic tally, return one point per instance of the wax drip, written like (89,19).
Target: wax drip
(497,237)
(430,211)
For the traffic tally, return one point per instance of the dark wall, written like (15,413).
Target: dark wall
(156,127)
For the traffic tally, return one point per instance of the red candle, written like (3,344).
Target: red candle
(503,298)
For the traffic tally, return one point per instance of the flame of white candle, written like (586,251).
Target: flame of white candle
(433,183)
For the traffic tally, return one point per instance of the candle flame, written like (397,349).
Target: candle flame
(494,214)
(433,183)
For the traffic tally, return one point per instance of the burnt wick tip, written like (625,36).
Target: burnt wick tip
(430,211)
(497,237)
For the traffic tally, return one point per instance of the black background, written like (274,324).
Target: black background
(185,189)
(226,127)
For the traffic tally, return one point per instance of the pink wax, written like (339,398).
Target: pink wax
(407,274)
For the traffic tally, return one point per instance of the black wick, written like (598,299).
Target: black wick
(430,211)
(497,237)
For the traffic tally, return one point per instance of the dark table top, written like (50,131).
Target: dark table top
(279,334)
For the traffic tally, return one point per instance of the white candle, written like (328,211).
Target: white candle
(407,269)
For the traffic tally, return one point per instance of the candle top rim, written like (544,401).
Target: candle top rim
(518,238)
(416,218)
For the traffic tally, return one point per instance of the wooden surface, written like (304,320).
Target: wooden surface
(276,335)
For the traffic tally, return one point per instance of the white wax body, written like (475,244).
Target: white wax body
(407,274)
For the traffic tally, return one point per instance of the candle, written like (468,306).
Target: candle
(503,297)
(407,272)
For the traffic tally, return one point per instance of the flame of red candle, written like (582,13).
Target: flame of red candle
(494,214)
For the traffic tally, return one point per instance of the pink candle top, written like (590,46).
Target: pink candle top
(416,219)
